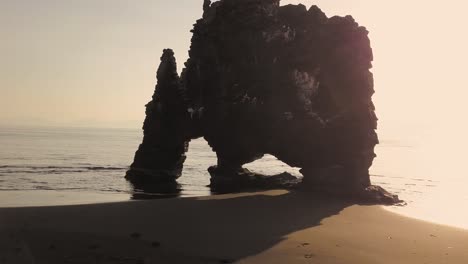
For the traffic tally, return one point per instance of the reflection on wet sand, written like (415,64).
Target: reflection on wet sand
(155,190)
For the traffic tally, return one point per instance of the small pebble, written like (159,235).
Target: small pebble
(155,244)
(135,235)
(93,247)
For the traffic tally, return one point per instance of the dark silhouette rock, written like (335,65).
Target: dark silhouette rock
(268,79)
(161,156)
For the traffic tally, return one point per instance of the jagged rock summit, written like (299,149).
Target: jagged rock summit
(268,79)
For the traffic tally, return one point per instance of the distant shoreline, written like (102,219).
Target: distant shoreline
(70,127)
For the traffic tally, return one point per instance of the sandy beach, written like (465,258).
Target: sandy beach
(263,227)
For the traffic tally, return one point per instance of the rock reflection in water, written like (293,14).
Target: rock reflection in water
(155,190)
(250,181)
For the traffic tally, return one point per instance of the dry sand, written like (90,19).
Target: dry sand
(264,227)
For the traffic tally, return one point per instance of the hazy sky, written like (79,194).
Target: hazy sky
(93,62)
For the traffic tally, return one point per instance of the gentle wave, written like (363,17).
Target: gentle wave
(56,188)
(10,169)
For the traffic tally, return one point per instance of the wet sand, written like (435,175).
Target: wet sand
(263,227)
(36,198)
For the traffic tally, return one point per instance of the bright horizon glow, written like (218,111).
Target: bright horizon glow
(93,62)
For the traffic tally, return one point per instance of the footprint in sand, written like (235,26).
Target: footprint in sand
(94,247)
(155,244)
(135,235)
(303,245)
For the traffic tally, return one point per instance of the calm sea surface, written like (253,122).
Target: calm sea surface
(424,173)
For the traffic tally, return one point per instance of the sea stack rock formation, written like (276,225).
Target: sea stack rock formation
(166,134)
(268,79)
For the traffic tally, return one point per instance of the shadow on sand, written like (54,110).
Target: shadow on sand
(208,230)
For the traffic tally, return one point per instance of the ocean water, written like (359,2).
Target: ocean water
(94,161)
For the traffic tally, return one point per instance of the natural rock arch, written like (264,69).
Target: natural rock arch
(267,79)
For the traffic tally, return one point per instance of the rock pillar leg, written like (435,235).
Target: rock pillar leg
(161,156)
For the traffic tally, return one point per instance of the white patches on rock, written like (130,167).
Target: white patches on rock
(197,113)
(285,34)
(249,100)
(307,85)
